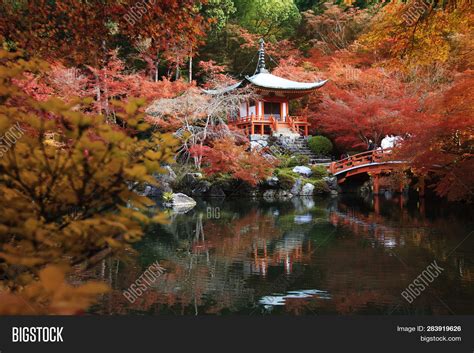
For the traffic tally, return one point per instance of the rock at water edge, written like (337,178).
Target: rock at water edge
(181,203)
(307,190)
(303,170)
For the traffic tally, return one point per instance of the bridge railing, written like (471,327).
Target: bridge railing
(359,159)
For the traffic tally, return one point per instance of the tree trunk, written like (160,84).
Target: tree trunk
(157,66)
(191,67)
(177,69)
(98,94)
(106,96)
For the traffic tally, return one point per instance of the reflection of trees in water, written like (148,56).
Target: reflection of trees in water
(207,262)
(395,237)
(402,228)
(256,249)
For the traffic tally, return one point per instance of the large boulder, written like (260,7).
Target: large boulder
(169,176)
(297,186)
(272,181)
(181,203)
(201,188)
(153,192)
(258,144)
(239,189)
(307,189)
(188,182)
(302,170)
(331,182)
(190,179)
(216,191)
(166,179)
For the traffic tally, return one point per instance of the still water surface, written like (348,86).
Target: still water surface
(302,257)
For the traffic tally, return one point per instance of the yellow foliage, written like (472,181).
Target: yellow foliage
(431,39)
(51,294)
(67,190)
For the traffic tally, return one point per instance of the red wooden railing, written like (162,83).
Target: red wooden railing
(299,119)
(375,156)
(293,122)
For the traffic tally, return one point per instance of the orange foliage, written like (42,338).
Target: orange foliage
(79,32)
(226,157)
(442,143)
(358,105)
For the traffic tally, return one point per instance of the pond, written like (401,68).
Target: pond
(306,256)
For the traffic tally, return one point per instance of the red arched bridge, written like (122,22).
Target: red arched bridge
(374,162)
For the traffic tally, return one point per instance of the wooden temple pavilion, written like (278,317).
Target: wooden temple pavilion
(269,114)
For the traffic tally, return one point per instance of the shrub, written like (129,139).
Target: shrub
(290,161)
(181,171)
(227,157)
(298,160)
(284,160)
(286,178)
(319,171)
(320,187)
(167,196)
(320,145)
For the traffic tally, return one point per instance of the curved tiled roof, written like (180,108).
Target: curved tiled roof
(267,80)
(224,89)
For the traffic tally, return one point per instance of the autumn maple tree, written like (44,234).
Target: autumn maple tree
(224,156)
(391,77)
(359,105)
(83,32)
(441,143)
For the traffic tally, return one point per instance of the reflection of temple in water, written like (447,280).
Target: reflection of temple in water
(362,225)
(382,228)
(290,249)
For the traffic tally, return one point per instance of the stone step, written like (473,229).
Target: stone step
(300,150)
(299,145)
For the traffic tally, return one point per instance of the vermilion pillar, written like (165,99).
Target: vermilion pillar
(376,204)
(376,186)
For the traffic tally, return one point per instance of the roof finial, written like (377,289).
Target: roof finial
(261,58)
